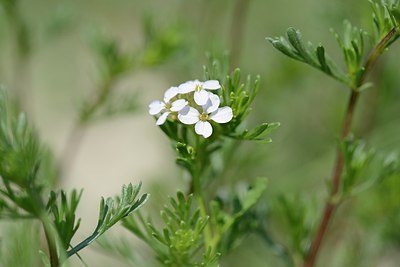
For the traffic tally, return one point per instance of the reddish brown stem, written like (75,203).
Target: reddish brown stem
(337,172)
(332,203)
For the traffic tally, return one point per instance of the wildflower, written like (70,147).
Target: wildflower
(211,111)
(166,107)
(199,88)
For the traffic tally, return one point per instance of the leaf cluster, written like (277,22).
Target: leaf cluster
(180,242)
(110,213)
(24,195)
(235,218)
(298,218)
(352,43)
(62,209)
(161,43)
(364,167)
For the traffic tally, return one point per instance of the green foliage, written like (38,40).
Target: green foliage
(113,60)
(299,218)
(110,214)
(14,238)
(239,96)
(353,49)
(309,54)
(357,59)
(385,17)
(20,160)
(180,243)
(63,211)
(21,30)
(113,63)
(22,193)
(161,43)
(365,168)
(233,218)
(120,248)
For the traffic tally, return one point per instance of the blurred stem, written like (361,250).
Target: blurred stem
(334,199)
(71,148)
(237,30)
(75,136)
(21,54)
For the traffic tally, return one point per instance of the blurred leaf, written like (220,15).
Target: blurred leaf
(161,42)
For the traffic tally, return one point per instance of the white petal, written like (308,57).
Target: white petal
(222,115)
(211,85)
(203,128)
(187,87)
(178,105)
(170,93)
(201,97)
(162,118)
(212,103)
(155,107)
(189,115)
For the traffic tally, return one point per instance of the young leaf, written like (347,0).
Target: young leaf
(111,214)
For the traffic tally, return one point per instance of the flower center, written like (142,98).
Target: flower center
(204,116)
(168,106)
(198,88)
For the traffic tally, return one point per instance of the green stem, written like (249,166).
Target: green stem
(51,244)
(198,192)
(237,31)
(77,132)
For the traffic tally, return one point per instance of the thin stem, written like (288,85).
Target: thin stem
(22,52)
(71,148)
(237,30)
(198,191)
(333,202)
(336,175)
(75,136)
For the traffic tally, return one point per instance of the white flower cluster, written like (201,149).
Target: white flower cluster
(192,103)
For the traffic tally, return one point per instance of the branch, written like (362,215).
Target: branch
(332,203)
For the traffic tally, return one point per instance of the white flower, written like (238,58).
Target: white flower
(166,107)
(190,115)
(199,88)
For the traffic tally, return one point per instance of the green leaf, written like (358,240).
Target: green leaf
(62,209)
(110,214)
(253,195)
(257,134)
(313,56)
(45,259)
(295,39)
(321,59)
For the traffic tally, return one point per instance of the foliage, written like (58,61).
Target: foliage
(22,196)
(221,215)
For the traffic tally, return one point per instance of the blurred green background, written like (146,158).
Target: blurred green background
(61,69)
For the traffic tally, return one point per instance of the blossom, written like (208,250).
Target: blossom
(211,111)
(199,88)
(166,107)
